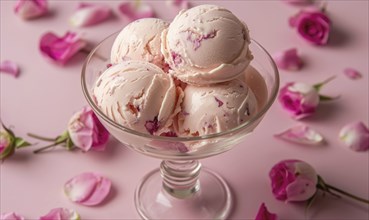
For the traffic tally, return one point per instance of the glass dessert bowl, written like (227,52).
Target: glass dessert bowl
(181,188)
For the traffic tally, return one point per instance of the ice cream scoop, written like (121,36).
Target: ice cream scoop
(206,44)
(138,95)
(216,108)
(140,40)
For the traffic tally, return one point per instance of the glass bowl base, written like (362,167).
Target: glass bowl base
(212,201)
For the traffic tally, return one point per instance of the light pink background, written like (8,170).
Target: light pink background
(45,95)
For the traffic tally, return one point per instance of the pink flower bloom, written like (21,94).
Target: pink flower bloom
(28,9)
(293,180)
(352,73)
(301,134)
(90,14)
(11,216)
(61,49)
(355,136)
(134,10)
(86,131)
(9,143)
(288,60)
(299,99)
(9,67)
(87,189)
(61,214)
(312,25)
(264,214)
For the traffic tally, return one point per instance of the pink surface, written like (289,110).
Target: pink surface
(45,96)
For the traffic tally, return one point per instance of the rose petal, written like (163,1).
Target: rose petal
(301,134)
(87,189)
(288,60)
(90,14)
(264,214)
(11,216)
(61,49)
(134,10)
(352,73)
(27,9)
(298,2)
(300,190)
(61,214)
(355,136)
(9,67)
(179,4)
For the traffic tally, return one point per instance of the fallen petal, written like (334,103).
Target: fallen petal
(264,214)
(27,9)
(11,216)
(301,134)
(352,73)
(61,214)
(134,10)
(9,67)
(288,60)
(61,49)
(90,14)
(355,136)
(87,189)
(298,2)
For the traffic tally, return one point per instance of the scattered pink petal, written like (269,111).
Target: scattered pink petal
(134,10)
(301,134)
(264,214)
(9,67)
(87,189)
(179,4)
(298,2)
(61,49)
(61,214)
(352,73)
(11,216)
(90,14)
(288,60)
(355,136)
(28,9)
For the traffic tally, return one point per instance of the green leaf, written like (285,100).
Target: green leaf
(19,143)
(69,144)
(327,98)
(320,85)
(63,137)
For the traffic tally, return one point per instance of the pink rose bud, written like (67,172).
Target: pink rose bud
(86,131)
(288,60)
(293,180)
(9,143)
(90,14)
(312,25)
(28,9)
(299,99)
(61,214)
(355,136)
(264,214)
(11,216)
(61,49)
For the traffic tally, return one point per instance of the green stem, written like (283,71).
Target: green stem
(47,147)
(40,137)
(347,194)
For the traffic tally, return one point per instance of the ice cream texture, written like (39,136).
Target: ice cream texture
(140,40)
(216,108)
(206,44)
(137,95)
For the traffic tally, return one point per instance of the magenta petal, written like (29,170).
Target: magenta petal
(134,10)
(301,134)
(61,49)
(355,136)
(60,214)
(100,193)
(90,14)
(288,60)
(81,187)
(352,73)
(298,2)
(9,67)
(27,9)
(264,214)
(11,216)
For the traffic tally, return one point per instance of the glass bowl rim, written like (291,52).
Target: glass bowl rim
(260,113)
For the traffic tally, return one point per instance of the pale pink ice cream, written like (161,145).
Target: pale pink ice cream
(216,108)
(138,95)
(206,44)
(140,40)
